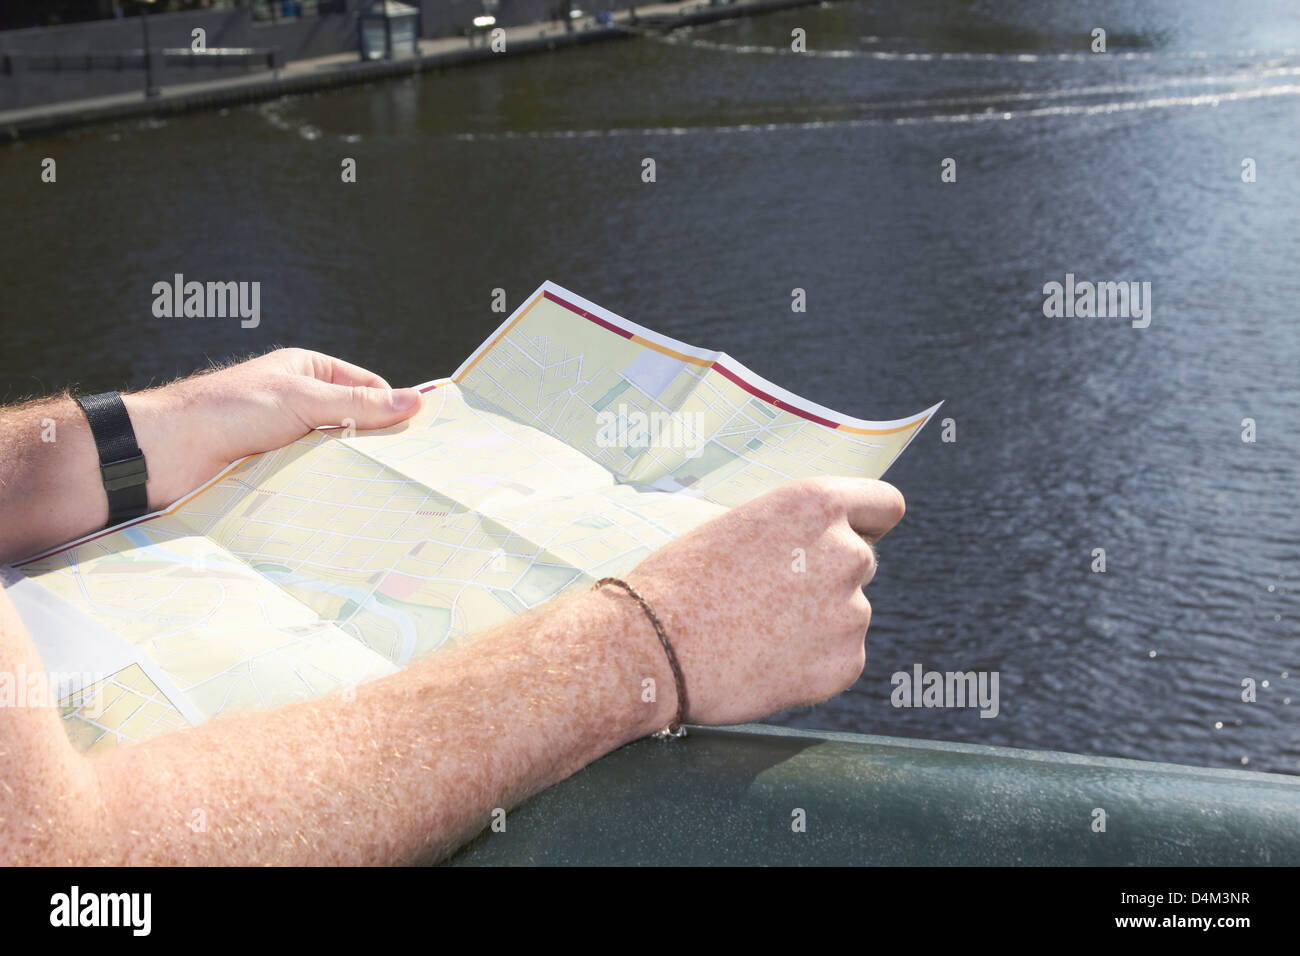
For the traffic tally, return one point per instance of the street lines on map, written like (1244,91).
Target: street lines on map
(98,715)
(501,333)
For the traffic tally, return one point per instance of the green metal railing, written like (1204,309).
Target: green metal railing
(766,795)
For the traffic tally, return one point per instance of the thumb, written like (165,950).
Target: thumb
(362,405)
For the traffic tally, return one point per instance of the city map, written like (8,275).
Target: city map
(568,447)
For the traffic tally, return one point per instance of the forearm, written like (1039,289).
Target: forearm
(50,485)
(411,767)
(51,491)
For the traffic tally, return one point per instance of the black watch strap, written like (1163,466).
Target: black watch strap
(121,463)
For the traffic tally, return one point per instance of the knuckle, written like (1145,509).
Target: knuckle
(866,562)
(892,502)
(860,661)
(852,666)
(860,614)
(852,553)
(295,359)
(815,495)
(845,622)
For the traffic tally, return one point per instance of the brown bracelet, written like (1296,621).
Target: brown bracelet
(678,727)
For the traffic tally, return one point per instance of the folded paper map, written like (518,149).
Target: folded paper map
(569,446)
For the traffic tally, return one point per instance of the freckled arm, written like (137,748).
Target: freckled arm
(410,768)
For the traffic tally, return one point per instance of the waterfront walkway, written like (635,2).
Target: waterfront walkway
(342,69)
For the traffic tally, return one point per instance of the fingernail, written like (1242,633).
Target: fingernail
(405,399)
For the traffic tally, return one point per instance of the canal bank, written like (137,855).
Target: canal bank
(345,69)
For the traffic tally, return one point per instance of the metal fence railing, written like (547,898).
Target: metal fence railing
(246,57)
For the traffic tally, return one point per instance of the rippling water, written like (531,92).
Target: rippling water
(778,171)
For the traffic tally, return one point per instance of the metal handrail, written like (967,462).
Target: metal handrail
(119,59)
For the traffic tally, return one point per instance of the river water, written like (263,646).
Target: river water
(820,172)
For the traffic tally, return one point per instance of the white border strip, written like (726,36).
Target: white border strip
(720,358)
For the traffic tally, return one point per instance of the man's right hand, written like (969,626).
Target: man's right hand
(440,744)
(764,605)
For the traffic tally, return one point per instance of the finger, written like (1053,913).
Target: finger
(363,406)
(335,371)
(858,556)
(860,607)
(871,507)
(870,563)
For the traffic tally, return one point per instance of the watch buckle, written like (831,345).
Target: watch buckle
(125,473)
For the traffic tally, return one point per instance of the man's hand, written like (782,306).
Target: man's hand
(50,486)
(764,605)
(412,764)
(199,425)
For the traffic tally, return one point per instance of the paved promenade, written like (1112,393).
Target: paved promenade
(346,68)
